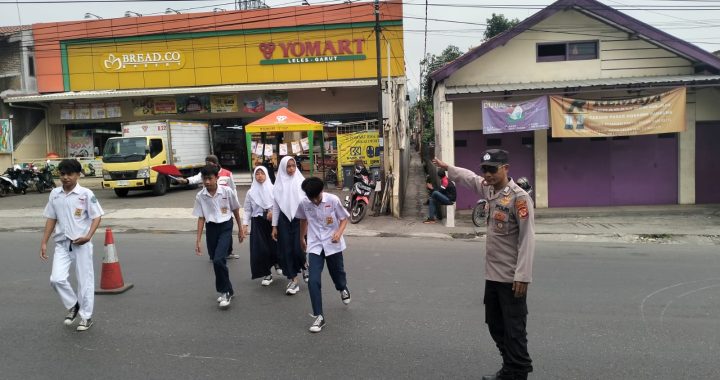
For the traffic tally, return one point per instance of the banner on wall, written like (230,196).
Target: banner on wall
(113,110)
(223,103)
(193,104)
(97,111)
(67,112)
(358,146)
(505,117)
(275,100)
(82,111)
(80,143)
(143,107)
(6,143)
(253,104)
(164,106)
(661,113)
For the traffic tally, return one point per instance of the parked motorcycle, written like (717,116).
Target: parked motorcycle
(15,179)
(44,177)
(358,201)
(480,211)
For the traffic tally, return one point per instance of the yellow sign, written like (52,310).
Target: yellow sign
(661,113)
(209,59)
(143,61)
(223,103)
(358,146)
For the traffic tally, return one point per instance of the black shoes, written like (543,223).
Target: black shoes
(503,374)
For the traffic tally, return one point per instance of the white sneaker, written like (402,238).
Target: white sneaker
(292,288)
(267,280)
(233,256)
(225,300)
(318,325)
(305,275)
(278,270)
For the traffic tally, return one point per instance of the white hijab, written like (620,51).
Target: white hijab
(288,192)
(261,193)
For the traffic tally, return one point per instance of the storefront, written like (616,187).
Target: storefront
(227,68)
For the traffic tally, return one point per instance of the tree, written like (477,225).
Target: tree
(497,24)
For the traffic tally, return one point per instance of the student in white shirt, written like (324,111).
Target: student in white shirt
(214,207)
(258,214)
(74,214)
(287,194)
(323,220)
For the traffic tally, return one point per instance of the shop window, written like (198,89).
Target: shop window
(31,66)
(567,51)
(460,143)
(494,142)
(156,146)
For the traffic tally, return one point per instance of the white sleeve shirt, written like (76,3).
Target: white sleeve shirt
(323,220)
(74,212)
(251,210)
(216,208)
(195,180)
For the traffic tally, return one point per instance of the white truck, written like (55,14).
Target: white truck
(127,160)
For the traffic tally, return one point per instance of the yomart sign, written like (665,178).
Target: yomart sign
(143,61)
(312,51)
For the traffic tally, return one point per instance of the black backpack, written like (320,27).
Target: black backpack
(451,191)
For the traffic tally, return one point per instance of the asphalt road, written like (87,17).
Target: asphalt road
(597,311)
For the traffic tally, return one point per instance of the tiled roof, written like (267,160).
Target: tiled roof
(8,30)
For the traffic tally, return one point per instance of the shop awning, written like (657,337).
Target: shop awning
(283,120)
(114,94)
(590,84)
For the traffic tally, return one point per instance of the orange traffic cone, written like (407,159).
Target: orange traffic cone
(111,280)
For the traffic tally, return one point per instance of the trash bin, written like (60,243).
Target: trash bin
(348,172)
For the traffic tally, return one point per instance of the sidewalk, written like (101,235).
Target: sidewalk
(699,224)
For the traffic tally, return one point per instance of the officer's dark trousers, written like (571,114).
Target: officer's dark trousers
(506,317)
(218,237)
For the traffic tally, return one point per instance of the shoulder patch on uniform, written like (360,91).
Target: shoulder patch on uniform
(93,199)
(522,208)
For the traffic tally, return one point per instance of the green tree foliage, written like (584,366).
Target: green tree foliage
(497,24)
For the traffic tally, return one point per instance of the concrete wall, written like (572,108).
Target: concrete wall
(619,56)
(34,146)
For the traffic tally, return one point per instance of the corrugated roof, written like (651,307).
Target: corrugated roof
(114,94)
(8,30)
(582,83)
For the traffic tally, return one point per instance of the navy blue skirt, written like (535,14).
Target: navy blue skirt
(290,256)
(263,249)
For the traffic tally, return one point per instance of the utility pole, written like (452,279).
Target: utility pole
(379,66)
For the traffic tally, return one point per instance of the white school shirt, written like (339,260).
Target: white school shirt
(225,178)
(323,220)
(251,210)
(73,211)
(216,208)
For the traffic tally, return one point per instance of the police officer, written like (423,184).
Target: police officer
(510,248)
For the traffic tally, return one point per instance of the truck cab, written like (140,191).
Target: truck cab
(127,163)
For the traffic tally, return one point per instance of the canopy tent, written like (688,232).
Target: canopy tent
(284,120)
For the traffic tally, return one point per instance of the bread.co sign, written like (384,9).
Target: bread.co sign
(143,61)
(299,52)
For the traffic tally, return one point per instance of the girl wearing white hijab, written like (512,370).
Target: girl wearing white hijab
(287,194)
(258,213)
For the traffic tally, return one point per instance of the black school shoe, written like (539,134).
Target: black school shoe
(318,325)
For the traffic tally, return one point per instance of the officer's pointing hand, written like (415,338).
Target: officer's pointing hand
(439,163)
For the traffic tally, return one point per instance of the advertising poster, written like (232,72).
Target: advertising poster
(164,106)
(661,113)
(113,110)
(97,111)
(259,149)
(79,143)
(6,144)
(82,111)
(223,103)
(296,147)
(358,146)
(143,107)
(504,117)
(67,112)
(268,150)
(305,143)
(253,144)
(282,150)
(275,100)
(253,104)
(193,104)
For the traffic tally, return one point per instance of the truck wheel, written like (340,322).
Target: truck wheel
(122,193)
(161,186)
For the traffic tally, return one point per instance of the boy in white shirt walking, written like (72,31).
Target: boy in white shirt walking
(214,207)
(323,220)
(74,214)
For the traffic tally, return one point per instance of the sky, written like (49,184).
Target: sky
(450,21)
